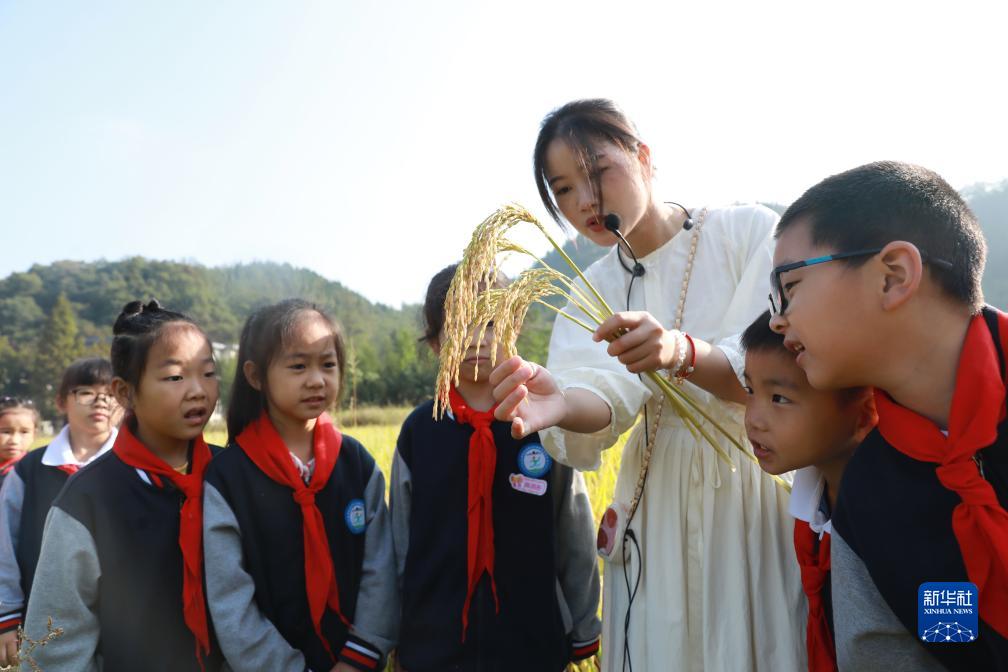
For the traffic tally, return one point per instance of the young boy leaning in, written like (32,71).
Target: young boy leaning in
(900,308)
(794,427)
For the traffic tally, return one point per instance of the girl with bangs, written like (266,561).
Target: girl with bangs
(301,572)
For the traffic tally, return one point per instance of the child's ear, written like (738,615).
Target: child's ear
(251,373)
(435,345)
(122,392)
(61,405)
(902,270)
(867,415)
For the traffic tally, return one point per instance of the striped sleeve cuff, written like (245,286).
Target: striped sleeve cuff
(360,654)
(11,620)
(582,650)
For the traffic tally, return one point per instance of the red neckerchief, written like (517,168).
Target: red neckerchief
(978,406)
(5,467)
(480,533)
(270,454)
(68,469)
(815,567)
(131,451)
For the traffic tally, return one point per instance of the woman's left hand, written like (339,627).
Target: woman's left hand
(645,345)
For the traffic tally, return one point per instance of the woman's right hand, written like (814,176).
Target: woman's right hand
(527,396)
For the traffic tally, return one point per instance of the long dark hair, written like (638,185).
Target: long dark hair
(579,124)
(264,335)
(136,330)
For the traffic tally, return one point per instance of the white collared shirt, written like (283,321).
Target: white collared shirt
(305,469)
(807,492)
(60,452)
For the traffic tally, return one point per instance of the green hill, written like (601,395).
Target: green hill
(389,365)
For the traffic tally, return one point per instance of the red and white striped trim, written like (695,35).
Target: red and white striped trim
(10,621)
(360,656)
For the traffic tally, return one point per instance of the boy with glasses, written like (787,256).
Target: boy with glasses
(923,497)
(84,396)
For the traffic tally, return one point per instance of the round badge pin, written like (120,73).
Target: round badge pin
(534,461)
(354,515)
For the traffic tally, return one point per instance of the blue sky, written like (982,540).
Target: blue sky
(365,140)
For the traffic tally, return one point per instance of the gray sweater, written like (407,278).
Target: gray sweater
(868,634)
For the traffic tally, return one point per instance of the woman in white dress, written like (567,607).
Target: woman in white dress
(704,576)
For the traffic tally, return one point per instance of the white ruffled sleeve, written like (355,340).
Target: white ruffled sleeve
(755,250)
(575,360)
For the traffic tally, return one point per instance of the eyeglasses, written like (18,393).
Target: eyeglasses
(88,397)
(778,298)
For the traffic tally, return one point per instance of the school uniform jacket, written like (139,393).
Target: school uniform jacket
(893,532)
(254,547)
(25,498)
(545,566)
(110,575)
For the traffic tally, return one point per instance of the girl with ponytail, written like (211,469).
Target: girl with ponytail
(121,564)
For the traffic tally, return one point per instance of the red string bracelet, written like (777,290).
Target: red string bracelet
(685,373)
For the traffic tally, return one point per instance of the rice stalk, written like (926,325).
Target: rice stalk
(24,659)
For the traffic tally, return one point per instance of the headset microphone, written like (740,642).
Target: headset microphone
(688,224)
(612,223)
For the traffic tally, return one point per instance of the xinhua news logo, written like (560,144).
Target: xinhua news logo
(947,612)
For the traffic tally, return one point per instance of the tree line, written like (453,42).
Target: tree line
(53,314)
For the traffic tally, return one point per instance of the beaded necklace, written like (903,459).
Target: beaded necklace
(651,433)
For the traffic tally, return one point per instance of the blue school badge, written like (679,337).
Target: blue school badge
(354,515)
(534,461)
(948,612)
